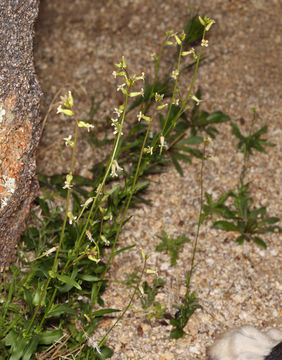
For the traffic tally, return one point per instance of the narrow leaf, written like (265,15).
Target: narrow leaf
(49,336)
(67,280)
(225,225)
(259,242)
(103,312)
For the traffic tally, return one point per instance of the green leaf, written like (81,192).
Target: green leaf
(176,164)
(193,140)
(67,280)
(49,336)
(193,30)
(225,225)
(273,229)
(31,348)
(271,220)
(259,242)
(123,249)
(261,131)
(172,245)
(258,212)
(17,344)
(217,117)
(90,278)
(106,353)
(236,131)
(11,338)
(182,157)
(176,333)
(240,239)
(194,152)
(103,312)
(58,310)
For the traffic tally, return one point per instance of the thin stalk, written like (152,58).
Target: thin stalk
(157,66)
(246,153)
(199,222)
(174,89)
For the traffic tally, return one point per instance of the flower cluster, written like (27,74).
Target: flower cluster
(66,105)
(129,81)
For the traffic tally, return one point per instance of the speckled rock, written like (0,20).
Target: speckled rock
(19,121)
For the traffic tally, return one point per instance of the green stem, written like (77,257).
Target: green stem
(246,153)
(174,90)
(199,223)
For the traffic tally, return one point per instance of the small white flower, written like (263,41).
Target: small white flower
(139,116)
(59,109)
(149,150)
(67,186)
(68,182)
(117,128)
(163,144)
(115,168)
(121,87)
(114,73)
(205,43)
(68,141)
(176,102)
(117,111)
(174,74)
(71,217)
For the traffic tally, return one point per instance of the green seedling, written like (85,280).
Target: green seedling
(249,222)
(171,245)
